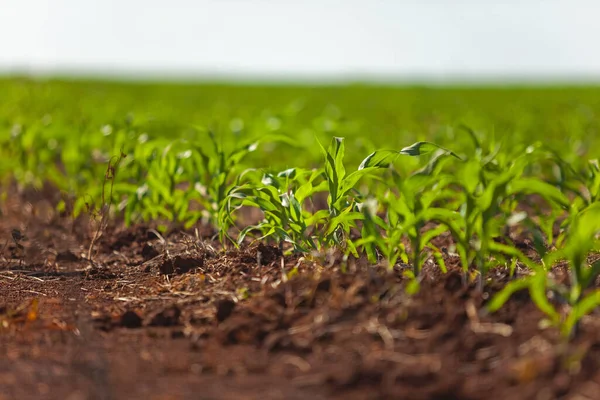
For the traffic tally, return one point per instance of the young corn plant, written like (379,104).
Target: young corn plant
(409,211)
(579,297)
(487,207)
(282,198)
(412,210)
(158,183)
(342,195)
(584,185)
(378,237)
(286,219)
(183,181)
(219,171)
(583,181)
(214,172)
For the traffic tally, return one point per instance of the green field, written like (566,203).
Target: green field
(414,163)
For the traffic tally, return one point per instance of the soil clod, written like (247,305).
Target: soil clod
(131,320)
(169,316)
(224,309)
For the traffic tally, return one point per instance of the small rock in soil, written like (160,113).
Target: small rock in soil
(224,309)
(149,252)
(180,265)
(100,273)
(166,267)
(131,320)
(167,317)
(324,285)
(268,254)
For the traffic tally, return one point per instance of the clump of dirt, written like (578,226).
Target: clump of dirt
(224,309)
(130,319)
(180,264)
(169,316)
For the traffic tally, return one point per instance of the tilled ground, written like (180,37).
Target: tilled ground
(177,318)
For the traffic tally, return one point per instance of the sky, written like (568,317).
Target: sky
(321,39)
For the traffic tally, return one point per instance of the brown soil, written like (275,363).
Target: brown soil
(182,319)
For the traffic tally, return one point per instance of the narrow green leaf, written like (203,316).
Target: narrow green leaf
(500,298)
(588,304)
(379,159)
(421,148)
(536,186)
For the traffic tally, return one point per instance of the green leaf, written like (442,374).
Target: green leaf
(536,186)
(585,306)
(338,149)
(304,191)
(428,236)
(350,181)
(511,288)
(437,254)
(472,136)
(331,173)
(421,148)
(537,290)
(289,173)
(379,159)
(351,248)
(514,252)
(413,285)
(344,219)
(384,158)
(317,218)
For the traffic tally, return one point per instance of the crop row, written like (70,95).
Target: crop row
(381,212)
(392,206)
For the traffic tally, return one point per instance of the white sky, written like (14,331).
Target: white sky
(305,38)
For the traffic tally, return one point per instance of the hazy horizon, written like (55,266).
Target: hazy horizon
(312,40)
